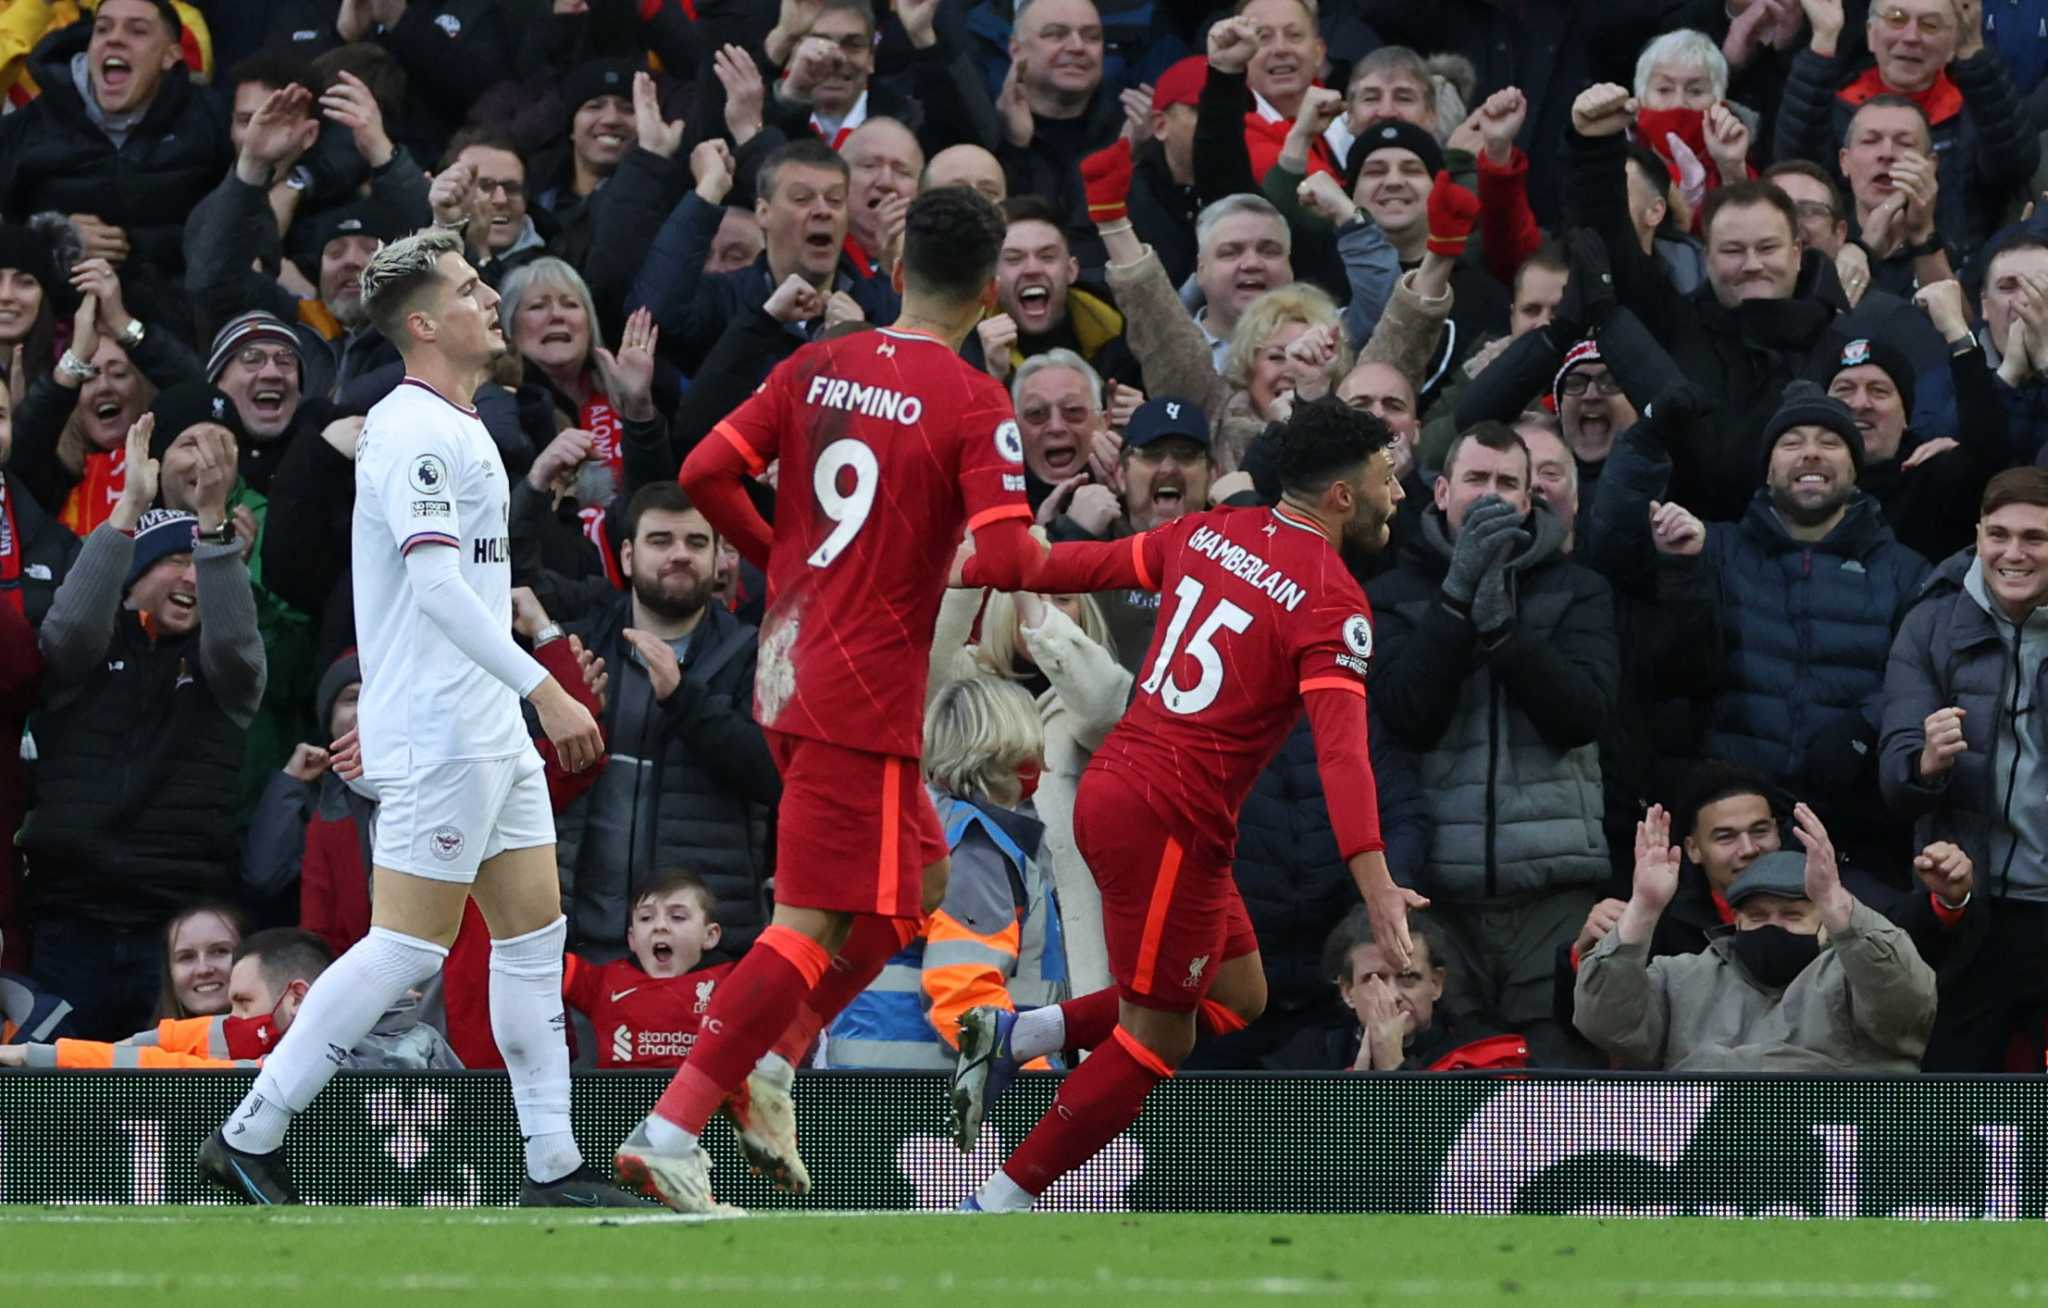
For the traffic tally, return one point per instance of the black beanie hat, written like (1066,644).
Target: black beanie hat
(185,406)
(1390,134)
(587,81)
(1874,352)
(344,672)
(1807,405)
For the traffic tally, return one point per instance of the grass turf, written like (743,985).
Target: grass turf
(361,1258)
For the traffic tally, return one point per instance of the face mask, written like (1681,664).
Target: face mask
(1027,779)
(1773,955)
(253,1037)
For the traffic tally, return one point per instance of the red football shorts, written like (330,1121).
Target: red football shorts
(855,831)
(1169,916)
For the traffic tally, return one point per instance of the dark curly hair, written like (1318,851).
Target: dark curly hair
(951,242)
(1321,441)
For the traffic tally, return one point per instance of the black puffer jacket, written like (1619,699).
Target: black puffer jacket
(711,782)
(1505,736)
(1807,627)
(53,156)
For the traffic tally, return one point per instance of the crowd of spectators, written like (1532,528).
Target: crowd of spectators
(1704,657)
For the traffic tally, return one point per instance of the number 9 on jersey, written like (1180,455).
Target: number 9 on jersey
(847,509)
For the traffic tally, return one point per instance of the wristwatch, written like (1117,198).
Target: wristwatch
(221,535)
(1932,245)
(131,335)
(553,631)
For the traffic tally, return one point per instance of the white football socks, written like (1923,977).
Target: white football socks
(339,1010)
(1038,1032)
(530,1025)
(999,1194)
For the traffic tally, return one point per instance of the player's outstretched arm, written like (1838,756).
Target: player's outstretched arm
(1336,717)
(714,479)
(435,574)
(1007,557)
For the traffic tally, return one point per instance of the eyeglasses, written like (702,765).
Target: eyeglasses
(1175,452)
(1579,383)
(255,356)
(492,185)
(1898,20)
(1816,209)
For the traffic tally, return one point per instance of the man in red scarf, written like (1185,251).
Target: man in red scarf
(1931,52)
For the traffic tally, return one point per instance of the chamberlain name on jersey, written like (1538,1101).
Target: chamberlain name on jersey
(427,472)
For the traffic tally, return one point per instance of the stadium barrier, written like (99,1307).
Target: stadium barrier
(1930,1148)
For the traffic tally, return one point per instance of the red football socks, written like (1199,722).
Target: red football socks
(747,1011)
(1094,1104)
(1091,1017)
(873,941)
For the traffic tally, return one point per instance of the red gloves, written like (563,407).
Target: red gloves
(1106,175)
(1453,213)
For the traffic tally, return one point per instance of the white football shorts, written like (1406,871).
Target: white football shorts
(444,820)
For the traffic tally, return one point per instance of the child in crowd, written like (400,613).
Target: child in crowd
(646,1009)
(994,942)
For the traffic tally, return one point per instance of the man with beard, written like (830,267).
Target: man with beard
(690,782)
(1163,472)
(1040,306)
(1500,672)
(1811,586)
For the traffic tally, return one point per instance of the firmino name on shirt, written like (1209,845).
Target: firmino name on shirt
(871,401)
(1238,561)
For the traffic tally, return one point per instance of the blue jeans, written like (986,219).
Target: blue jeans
(111,977)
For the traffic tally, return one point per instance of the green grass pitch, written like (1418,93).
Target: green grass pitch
(379,1258)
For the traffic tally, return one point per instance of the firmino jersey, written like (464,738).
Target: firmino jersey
(1256,612)
(891,449)
(640,1020)
(428,472)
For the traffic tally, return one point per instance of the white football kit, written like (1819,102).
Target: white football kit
(445,746)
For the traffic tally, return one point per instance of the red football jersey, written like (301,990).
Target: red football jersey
(641,1021)
(1256,610)
(891,449)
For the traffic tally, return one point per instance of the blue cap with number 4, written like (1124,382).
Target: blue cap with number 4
(1157,420)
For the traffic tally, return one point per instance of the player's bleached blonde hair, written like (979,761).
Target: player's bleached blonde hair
(1295,302)
(997,650)
(977,732)
(399,271)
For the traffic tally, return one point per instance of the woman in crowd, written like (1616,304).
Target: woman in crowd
(199,951)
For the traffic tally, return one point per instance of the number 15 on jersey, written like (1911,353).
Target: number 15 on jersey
(1226,616)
